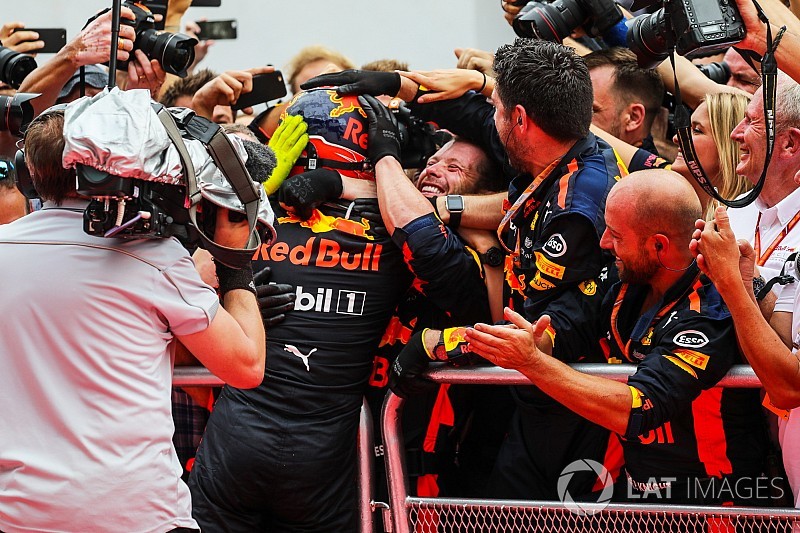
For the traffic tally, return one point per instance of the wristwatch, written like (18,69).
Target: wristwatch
(455,206)
(492,257)
(758,287)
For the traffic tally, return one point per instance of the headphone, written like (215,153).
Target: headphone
(519,120)
(659,246)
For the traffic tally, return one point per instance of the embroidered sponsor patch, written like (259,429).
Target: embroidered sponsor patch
(541,284)
(680,364)
(696,359)
(546,266)
(691,338)
(588,287)
(555,246)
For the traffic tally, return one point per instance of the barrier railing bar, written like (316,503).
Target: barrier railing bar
(616,508)
(740,376)
(366,483)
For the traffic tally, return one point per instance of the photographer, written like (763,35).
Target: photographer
(93,46)
(88,365)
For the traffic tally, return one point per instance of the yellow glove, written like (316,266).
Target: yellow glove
(288,142)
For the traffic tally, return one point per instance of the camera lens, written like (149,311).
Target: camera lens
(549,21)
(174,51)
(647,38)
(16,112)
(718,71)
(15,66)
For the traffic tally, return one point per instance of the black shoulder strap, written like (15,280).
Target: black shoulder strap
(224,156)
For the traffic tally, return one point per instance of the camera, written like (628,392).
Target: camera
(689,25)
(174,51)
(14,66)
(718,71)
(16,112)
(554,20)
(418,139)
(141,209)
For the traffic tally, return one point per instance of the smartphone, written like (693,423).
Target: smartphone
(266,87)
(54,39)
(217,29)
(206,3)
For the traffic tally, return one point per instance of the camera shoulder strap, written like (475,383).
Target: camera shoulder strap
(225,157)
(769,74)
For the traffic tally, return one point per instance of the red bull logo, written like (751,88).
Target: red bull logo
(396,331)
(344,105)
(324,253)
(515,283)
(321,223)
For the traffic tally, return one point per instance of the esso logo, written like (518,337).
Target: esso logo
(555,246)
(690,339)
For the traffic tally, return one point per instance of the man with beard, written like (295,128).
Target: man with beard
(539,125)
(683,440)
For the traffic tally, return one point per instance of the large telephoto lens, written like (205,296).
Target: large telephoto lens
(174,51)
(15,66)
(16,112)
(647,38)
(549,21)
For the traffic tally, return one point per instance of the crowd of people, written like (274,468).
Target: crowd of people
(530,209)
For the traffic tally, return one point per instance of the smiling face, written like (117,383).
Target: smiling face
(621,239)
(704,145)
(750,133)
(451,170)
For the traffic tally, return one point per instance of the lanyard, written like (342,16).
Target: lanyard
(768,252)
(625,347)
(514,209)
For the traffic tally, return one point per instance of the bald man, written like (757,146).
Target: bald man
(683,440)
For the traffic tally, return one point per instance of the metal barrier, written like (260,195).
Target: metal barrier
(190,376)
(461,515)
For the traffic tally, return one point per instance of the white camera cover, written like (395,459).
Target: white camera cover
(120,133)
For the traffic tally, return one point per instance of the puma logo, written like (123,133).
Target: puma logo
(294,351)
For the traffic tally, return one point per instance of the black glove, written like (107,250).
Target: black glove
(304,192)
(368,208)
(384,136)
(404,377)
(274,299)
(358,82)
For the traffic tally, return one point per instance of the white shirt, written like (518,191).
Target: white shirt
(86,373)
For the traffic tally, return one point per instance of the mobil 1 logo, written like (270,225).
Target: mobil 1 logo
(327,300)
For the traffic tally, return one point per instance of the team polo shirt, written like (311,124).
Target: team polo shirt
(681,425)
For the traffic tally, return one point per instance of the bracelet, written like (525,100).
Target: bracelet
(231,278)
(484,83)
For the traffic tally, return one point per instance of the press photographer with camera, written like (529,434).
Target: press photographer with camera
(89,373)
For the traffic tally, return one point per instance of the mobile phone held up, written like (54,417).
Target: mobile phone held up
(54,39)
(216,29)
(266,87)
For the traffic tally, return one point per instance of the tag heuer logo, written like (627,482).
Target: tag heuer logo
(690,339)
(555,246)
